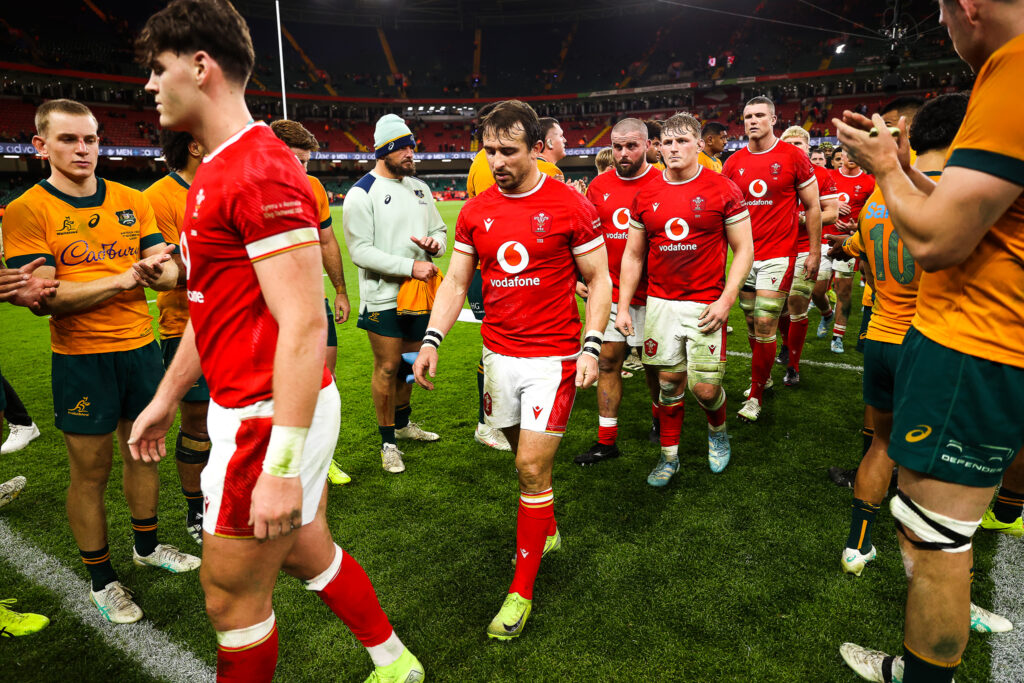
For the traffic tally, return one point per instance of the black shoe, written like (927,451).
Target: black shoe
(654,436)
(792,378)
(783,358)
(841,477)
(596,454)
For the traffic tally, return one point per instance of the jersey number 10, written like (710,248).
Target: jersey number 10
(902,273)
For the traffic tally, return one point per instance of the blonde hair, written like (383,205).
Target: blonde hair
(604,159)
(796,132)
(62,107)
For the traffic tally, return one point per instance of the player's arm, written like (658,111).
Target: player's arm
(157,269)
(829,211)
(330,254)
(740,235)
(290,283)
(150,428)
(630,270)
(20,287)
(812,212)
(437,235)
(447,306)
(593,266)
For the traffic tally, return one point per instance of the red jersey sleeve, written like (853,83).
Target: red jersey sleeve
(277,212)
(587,235)
(734,207)
(804,169)
(827,185)
(463,234)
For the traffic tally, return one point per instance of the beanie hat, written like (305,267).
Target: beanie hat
(390,134)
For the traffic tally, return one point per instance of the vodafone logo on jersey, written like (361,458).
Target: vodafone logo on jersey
(621,218)
(677,229)
(844,198)
(758,188)
(513,257)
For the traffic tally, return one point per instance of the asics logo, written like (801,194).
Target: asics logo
(513,257)
(919,433)
(758,188)
(621,218)
(677,229)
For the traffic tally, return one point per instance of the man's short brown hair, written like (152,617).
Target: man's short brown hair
(509,115)
(761,99)
(60,106)
(190,26)
(681,122)
(294,134)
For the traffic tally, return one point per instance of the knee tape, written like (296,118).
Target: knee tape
(708,372)
(243,638)
(801,286)
(797,317)
(319,582)
(670,400)
(768,307)
(191,450)
(936,531)
(747,305)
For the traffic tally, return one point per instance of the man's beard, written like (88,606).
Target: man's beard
(398,169)
(631,170)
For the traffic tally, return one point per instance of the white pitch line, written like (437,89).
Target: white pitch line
(815,363)
(150,647)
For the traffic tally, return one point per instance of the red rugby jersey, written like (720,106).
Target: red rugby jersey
(854,190)
(250,200)
(826,190)
(526,245)
(770,181)
(685,223)
(612,196)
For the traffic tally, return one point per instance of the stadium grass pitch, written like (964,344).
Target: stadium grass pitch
(728,577)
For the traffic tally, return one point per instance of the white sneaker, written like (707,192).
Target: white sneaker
(632,363)
(872,665)
(854,561)
(983,621)
(416,433)
(115,604)
(391,459)
(10,489)
(750,410)
(491,437)
(19,438)
(167,557)
(767,385)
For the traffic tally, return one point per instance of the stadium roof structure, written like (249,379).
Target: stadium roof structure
(454,13)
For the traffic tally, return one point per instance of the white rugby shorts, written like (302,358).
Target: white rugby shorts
(675,341)
(637,313)
(239,439)
(841,267)
(775,275)
(535,393)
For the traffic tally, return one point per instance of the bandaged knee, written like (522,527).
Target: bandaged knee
(713,404)
(191,450)
(707,372)
(768,307)
(248,637)
(797,317)
(747,305)
(801,286)
(935,531)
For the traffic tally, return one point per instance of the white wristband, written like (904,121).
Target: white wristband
(284,452)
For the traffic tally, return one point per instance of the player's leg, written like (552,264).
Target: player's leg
(484,434)
(819,295)
(89,457)
(413,329)
(609,397)
(22,429)
(671,410)
(387,357)
(797,305)
(783,332)
(772,286)
(705,371)
(653,390)
(331,357)
(192,450)
(869,489)
(1005,515)
(844,293)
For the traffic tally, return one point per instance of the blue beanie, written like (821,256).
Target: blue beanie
(390,134)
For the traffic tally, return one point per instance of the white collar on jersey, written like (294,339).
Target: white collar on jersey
(860,172)
(636,177)
(776,144)
(233,139)
(543,177)
(664,176)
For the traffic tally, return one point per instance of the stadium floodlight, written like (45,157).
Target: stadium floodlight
(11,156)
(840,48)
(115,158)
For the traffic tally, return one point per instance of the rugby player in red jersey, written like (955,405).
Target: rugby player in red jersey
(793,325)
(257,330)
(854,186)
(612,195)
(775,178)
(531,236)
(682,226)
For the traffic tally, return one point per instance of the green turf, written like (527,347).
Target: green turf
(729,577)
